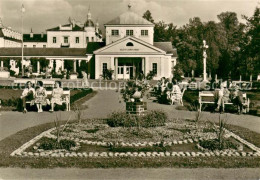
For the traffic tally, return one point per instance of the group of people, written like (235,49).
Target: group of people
(169,90)
(38,96)
(225,96)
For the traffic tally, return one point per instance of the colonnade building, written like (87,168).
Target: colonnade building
(128,49)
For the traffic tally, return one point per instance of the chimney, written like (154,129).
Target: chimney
(31,33)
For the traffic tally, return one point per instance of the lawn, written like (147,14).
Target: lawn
(10,98)
(8,145)
(190,100)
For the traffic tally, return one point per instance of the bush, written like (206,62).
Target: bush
(214,144)
(51,144)
(80,95)
(150,119)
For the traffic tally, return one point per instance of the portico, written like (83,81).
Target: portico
(128,62)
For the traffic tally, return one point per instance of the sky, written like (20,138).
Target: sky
(44,14)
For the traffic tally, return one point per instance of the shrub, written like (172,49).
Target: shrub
(150,119)
(80,95)
(213,144)
(51,144)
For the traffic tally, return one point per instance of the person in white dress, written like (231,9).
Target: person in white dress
(56,95)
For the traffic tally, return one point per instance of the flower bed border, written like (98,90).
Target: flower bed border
(61,153)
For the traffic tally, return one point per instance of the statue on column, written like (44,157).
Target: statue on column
(205,47)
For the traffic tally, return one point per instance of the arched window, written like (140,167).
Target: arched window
(129,44)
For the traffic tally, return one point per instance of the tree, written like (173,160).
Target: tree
(251,63)
(148,16)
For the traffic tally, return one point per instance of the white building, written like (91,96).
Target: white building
(9,37)
(130,49)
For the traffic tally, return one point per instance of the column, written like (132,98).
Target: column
(116,67)
(75,65)
(38,66)
(62,65)
(2,64)
(143,67)
(146,65)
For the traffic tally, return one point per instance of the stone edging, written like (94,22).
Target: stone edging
(62,153)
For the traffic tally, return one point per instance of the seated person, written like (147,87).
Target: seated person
(223,97)
(28,94)
(237,99)
(56,95)
(40,96)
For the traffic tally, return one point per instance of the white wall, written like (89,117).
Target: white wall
(122,33)
(37,44)
(89,32)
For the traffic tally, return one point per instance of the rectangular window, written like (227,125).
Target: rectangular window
(44,46)
(87,39)
(104,67)
(155,68)
(115,32)
(54,40)
(77,40)
(92,39)
(66,39)
(129,32)
(144,32)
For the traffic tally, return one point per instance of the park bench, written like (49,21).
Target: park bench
(65,98)
(211,97)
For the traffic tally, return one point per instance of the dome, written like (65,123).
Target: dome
(129,18)
(89,23)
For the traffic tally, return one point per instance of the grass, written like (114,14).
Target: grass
(13,142)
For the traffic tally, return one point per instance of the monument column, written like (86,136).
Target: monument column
(205,47)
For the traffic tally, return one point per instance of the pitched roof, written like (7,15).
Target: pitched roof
(167,47)
(8,38)
(75,28)
(93,46)
(43,52)
(35,38)
(129,18)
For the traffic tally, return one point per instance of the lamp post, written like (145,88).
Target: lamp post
(22,10)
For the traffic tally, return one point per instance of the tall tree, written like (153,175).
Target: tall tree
(251,65)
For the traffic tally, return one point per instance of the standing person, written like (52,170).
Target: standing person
(85,82)
(56,95)
(40,96)
(28,94)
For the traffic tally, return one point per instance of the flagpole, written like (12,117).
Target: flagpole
(22,42)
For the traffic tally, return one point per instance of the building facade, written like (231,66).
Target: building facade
(9,37)
(129,49)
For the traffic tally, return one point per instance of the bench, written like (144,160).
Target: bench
(65,98)
(211,97)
